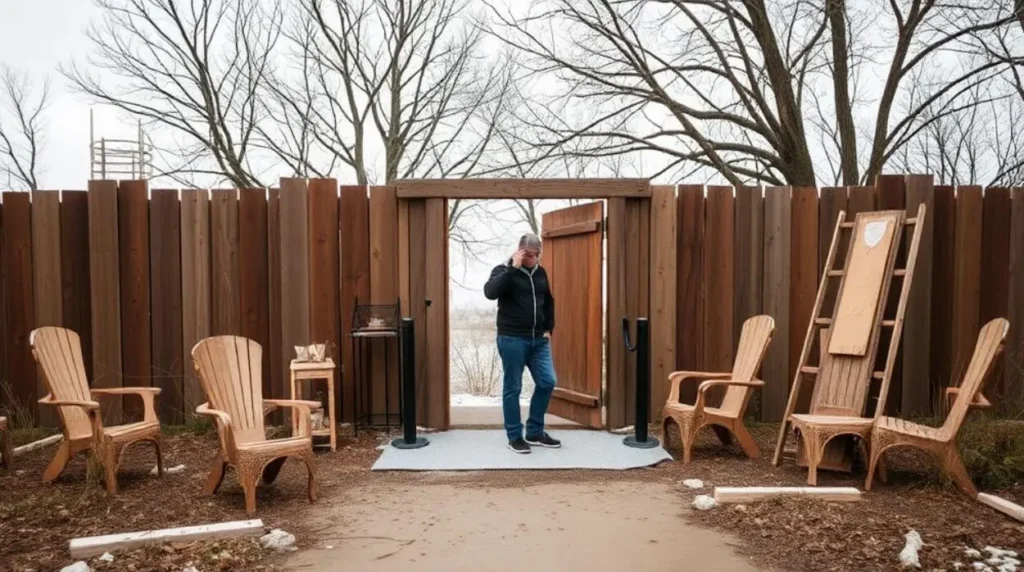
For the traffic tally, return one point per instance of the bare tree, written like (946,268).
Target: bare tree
(22,123)
(193,68)
(753,91)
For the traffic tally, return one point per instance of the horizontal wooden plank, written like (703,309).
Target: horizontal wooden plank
(522,188)
(1004,506)
(572,229)
(750,494)
(95,545)
(575,396)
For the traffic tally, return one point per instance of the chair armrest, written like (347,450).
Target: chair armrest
(145,393)
(676,378)
(223,424)
(706,385)
(302,406)
(980,402)
(87,405)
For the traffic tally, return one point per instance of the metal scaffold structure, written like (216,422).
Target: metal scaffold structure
(119,158)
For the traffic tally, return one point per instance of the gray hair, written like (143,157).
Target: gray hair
(530,240)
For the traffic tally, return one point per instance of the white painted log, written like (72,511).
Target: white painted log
(751,494)
(38,444)
(1004,506)
(95,545)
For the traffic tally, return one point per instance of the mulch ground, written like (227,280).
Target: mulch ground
(37,520)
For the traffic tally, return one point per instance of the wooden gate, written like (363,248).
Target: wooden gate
(573,241)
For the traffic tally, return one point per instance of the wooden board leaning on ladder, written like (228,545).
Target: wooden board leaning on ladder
(848,341)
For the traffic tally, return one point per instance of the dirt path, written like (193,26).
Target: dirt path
(572,527)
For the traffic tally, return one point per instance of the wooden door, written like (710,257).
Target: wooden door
(573,260)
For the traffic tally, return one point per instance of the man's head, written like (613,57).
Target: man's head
(531,246)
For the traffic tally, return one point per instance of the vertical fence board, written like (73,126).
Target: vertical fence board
(917,398)
(637,278)
(777,249)
(417,295)
(104,275)
(663,293)
(943,255)
(224,277)
(616,354)
(689,284)
(278,364)
(967,278)
(748,247)
(384,290)
(355,278)
(253,276)
(861,199)
(133,239)
(891,191)
(403,257)
(803,268)
(46,286)
(74,254)
(165,288)
(3,304)
(195,287)
(294,231)
(324,258)
(1014,345)
(437,315)
(995,274)
(17,261)
(718,280)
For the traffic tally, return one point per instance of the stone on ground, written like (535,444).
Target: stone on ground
(704,502)
(279,540)
(693,483)
(77,567)
(908,556)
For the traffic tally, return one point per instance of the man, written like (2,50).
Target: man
(526,318)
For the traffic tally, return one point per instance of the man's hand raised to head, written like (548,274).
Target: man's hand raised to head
(517,258)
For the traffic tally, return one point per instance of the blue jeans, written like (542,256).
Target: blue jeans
(517,353)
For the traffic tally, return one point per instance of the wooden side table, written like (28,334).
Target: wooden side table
(322,371)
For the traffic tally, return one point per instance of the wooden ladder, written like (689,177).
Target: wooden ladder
(819,321)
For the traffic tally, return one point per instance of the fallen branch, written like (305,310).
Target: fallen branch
(95,545)
(1004,506)
(751,494)
(38,444)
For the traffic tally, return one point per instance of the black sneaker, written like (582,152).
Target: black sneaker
(544,440)
(519,446)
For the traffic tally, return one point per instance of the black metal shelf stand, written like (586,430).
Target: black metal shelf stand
(372,323)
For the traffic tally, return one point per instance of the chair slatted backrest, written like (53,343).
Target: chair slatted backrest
(230,371)
(849,346)
(988,346)
(58,351)
(754,339)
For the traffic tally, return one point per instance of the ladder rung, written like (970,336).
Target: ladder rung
(888,323)
(823,321)
(809,369)
(907,221)
(833,273)
(899,272)
(878,374)
(846,225)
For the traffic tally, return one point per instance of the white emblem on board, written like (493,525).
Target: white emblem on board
(874,231)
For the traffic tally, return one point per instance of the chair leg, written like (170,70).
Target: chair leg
(746,440)
(108,457)
(6,452)
(688,436)
(814,455)
(955,468)
(307,457)
(272,469)
(216,475)
(874,460)
(248,477)
(57,464)
(159,457)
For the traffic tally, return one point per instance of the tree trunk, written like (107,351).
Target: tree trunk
(841,79)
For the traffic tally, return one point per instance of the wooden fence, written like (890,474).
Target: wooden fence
(143,275)
(750,250)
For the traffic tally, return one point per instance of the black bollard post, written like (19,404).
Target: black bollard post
(409,439)
(640,438)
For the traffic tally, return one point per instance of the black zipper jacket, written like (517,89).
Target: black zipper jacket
(525,305)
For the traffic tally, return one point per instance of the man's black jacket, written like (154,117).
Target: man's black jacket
(525,305)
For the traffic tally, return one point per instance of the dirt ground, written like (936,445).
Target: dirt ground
(559,527)
(37,520)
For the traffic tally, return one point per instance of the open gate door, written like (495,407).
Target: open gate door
(573,240)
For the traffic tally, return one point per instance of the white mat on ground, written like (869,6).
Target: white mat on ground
(481,449)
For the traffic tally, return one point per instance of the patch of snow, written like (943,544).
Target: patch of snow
(279,540)
(704,502)
(169,470)
(908,556)
(468,400)
(107,557)
(972,553)
(328,547)
(741,507)
(981,567)
(190,569)
(693,483)
(381,447)
(623,431)
(999,560)
(77,567)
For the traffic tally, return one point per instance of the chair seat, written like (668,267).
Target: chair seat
(131,430)
(832,420)
(273,446)
(904,427)
(687,409)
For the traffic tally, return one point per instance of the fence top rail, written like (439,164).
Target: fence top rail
(522,188)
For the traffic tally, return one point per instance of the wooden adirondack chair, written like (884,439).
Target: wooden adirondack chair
(890,432)
(6,453)
(230,371)
(58,351)
(754,339)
